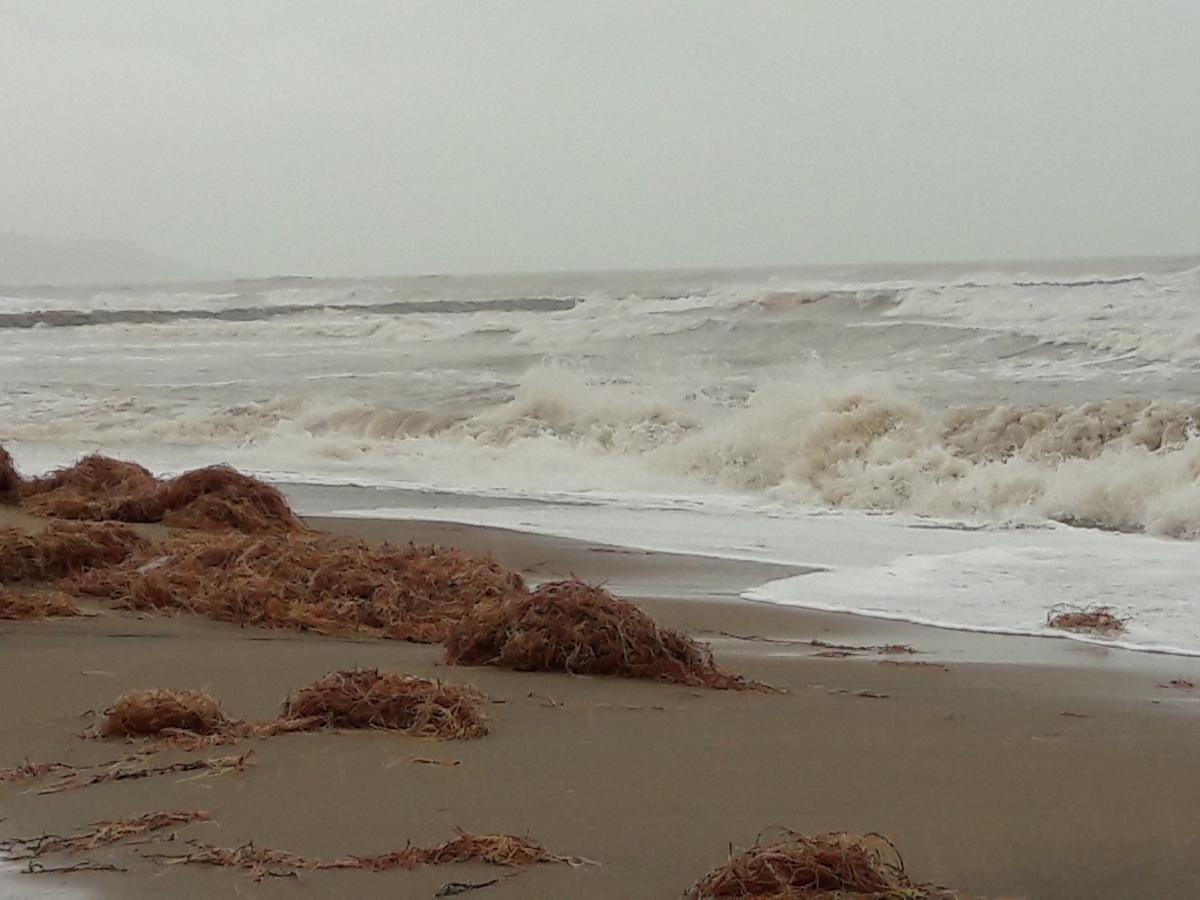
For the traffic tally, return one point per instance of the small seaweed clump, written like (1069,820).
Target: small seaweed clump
(306,581)
(1096,619)
(29,607)
(569,626)
(495,849)
(64,549)
(368,698)
(214,498)
(825,866)
(10,481)
(186,716)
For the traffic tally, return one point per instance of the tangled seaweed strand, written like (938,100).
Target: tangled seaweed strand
(98,834)
(1097,619)
(10,480)
(27,771)
(64,549)
(568,626)
(367,698)
(494,849)
(29,607)
(213,498)
(124,771)
(306,581)
(836,866)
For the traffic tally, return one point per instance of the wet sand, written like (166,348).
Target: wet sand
(975,772)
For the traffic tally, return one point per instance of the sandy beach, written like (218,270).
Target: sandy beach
(1067,775)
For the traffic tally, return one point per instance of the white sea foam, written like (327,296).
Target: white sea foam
(1123,465)
(999,580)
(1008,589)
(1152,317)
(993,397)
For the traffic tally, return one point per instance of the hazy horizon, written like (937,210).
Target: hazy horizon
(172,272)
(452,138)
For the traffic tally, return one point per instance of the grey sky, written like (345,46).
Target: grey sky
(371,137)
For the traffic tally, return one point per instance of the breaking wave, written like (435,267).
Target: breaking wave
(1123,465)
(72,318)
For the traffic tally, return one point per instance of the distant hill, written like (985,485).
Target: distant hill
(26,260)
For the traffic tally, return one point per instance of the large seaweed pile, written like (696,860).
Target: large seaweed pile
(63,549)
(306,581)
(248,560)
(98,488)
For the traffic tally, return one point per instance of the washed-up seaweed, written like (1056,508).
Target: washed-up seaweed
(98,488)
(10,479)
(368,698)
(99,834)
(305,581)
(262,862)
(64,549)
(1095,619)
(186,719)
(129,772)
(569,626)
(835,866)
(34,606)
(348,699)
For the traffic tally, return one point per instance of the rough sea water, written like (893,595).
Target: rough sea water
(959,445)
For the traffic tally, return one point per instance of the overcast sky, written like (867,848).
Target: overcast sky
(364,137)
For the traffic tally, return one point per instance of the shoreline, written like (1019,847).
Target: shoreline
(654,579)
(1055,771)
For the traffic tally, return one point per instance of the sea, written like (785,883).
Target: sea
(965,446)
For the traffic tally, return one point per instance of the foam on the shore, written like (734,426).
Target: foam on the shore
(946,574)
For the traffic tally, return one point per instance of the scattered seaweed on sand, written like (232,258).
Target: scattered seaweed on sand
(98,834)
(31,607)
(36,868)
(821,866)
(10,480)
(569,626)
(915,664)
(368,698)
(457,888)
(494,849)
(186,719)
(889,649)
(306,581)
(261,862)
(124,771)
(1095,619)
(28,771)
(64,549)
(835,650)
(213,498)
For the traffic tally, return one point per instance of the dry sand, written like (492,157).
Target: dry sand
(975,772)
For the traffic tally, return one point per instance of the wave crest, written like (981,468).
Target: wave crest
(1122,465)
